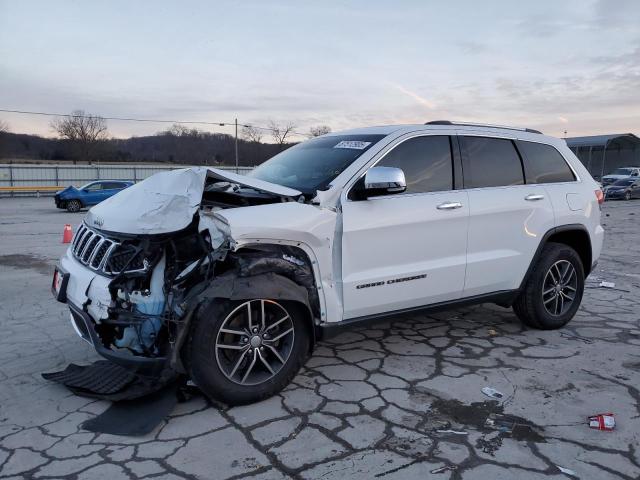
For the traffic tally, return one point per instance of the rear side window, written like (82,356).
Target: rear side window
(426,162)
(490,162)
(544,164)
(113,185)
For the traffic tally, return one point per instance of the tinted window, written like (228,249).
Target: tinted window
(490,162)
(112,185)
(544,164)
(426,162)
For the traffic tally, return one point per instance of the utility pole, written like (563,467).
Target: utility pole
(236,145)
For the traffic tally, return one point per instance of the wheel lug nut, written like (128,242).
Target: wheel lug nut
(245,339)
(255,330)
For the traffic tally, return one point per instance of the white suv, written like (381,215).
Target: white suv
(231,279)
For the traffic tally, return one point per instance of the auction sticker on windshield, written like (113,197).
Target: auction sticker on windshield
(353,144)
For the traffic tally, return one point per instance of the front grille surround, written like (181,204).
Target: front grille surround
(99,252)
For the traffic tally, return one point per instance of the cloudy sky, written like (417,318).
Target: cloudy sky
(556,66)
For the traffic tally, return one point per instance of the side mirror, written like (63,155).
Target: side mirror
(384,181)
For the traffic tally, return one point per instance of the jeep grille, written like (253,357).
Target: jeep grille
(102,254)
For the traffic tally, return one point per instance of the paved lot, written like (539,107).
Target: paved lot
(369,403)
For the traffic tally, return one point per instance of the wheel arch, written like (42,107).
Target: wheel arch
(232,285)
(575,236)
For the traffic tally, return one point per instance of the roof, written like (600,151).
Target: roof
(600,140)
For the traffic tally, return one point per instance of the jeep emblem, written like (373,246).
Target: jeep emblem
(98,221)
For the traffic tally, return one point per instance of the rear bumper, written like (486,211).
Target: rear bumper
(85,328)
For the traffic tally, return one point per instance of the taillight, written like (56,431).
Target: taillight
(600,196)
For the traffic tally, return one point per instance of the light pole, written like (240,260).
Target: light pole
(236,145)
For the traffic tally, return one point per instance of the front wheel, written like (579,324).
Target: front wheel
(553,292)
(74,206)
(627,195)
(244,351)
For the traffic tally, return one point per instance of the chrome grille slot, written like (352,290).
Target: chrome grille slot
(100,253)
(83,243)
(90,248)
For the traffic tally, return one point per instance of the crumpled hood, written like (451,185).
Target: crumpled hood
(166,201)
(69,189)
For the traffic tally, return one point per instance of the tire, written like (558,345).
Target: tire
(543,304)
(74,206)
(627,195)
(221,361)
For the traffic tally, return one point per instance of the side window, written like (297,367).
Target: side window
(490,162)
(426,162)
(544,164)
(112,185)
(94,187)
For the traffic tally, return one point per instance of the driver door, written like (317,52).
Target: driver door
(406,250)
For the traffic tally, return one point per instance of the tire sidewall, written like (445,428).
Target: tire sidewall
(544,318)
(202,355)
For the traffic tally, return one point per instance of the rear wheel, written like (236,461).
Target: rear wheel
(244,351)
(553,292)
(74,206)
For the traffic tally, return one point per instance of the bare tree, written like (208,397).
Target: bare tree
(84,130)
(280,132)
(319,130)
(252,134)
(4,126)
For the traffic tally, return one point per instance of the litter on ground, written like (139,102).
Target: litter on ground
(492,392)
(602,421)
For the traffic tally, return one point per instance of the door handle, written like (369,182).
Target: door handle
(449,205)
(534,197)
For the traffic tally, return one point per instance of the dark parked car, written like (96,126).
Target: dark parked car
(627,189)
(73,199)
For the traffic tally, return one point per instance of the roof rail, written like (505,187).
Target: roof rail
(469,124)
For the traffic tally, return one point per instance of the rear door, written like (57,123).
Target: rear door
(407,250)
(507,219)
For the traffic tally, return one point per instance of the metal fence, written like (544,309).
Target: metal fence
(52,175)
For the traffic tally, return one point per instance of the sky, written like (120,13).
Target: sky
(556,66)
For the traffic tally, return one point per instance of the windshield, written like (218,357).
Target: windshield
(621,171)
(86,185)
(623,183)
(312,165)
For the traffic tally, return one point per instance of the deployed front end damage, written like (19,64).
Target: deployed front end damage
(145,261)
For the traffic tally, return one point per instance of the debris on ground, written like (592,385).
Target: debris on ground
(492,332)
(516,427)
(567,471)
(446,468)
(604,284)
(492,392)
(602,421)
(453,432)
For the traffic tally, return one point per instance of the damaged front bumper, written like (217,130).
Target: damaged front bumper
(86,293)
(84,326)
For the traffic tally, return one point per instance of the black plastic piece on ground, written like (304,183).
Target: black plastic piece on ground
(135,417)
(100,378)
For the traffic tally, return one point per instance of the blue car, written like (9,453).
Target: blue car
(73,199)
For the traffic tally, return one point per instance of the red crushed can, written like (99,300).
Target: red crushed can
(602,421)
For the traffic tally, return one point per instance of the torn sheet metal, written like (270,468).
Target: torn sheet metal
(167,201)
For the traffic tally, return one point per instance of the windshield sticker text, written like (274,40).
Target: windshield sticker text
(353,144)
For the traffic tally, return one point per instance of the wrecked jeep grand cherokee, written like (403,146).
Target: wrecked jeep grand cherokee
(229,280)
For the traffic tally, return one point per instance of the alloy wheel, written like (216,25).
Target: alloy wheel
(254,342)
(559,288)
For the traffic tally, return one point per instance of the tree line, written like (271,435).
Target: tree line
(83,137)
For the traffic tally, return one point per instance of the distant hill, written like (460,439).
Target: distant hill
(193,148)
